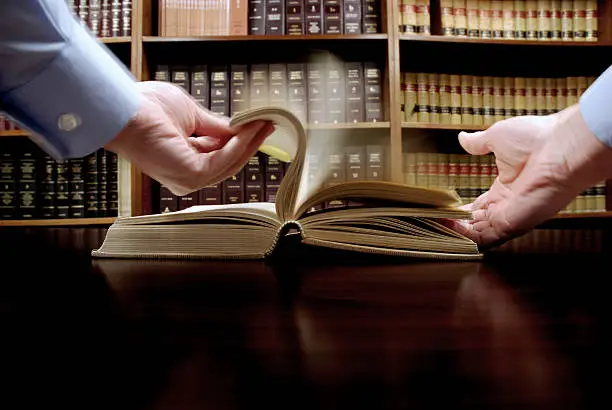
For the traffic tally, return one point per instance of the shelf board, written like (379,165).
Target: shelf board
(464,40)
(306,37)
(13,133)
(583,215)
(349,126)
(115,40)
(58,222)
(451,127)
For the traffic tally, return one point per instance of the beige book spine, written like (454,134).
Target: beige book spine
(409,19)
(442,160)
(488,110)
(463,184)
(410,167)
(531,7)
(531,95)
(433,86)
(520,13)
(509,20)
(555,20)
(579,13)
(591,80)
(582,85)
(509,108)
(474,179)
(572,91)
(404,93)
(477,100)
(433,179)
(467,105)
(410,98)
(421,169)
(591,21)
(460,17)
(590,200)
(600,196)
(484,19)
(497,18)
(520,96)
(485,174)
(473,23)
(455,85)
(561,93)
(453,171)
(448,20)
(541,96)
(544,16)
(498,98)
(423,18)
(551,95)
(567,20)
(422,98)
(445,99)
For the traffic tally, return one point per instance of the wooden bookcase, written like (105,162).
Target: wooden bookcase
(397,52)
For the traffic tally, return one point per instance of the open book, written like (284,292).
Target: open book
(391,218)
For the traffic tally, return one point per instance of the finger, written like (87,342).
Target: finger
(208,144)
(208,123)
(475,143)
(480,215)
(228,160)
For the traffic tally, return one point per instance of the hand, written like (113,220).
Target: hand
(543,163)
(159,141)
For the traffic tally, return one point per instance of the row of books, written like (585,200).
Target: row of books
(556,241)
(316,93)
(104,18)
(6,124)
(35,186)
(558,20)
(267,17)
(482,100)
(260,178)
(473,175)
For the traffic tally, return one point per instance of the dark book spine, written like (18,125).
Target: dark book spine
(332,16)
(313,16)
(254,180)
(168,202)
(162,73)
(337,175)
(200,89)
(257,17)
(275,17)
(274,173)
(278,84)
(102,183)
(355,105)
(116,18)
(126,18)
(239,88)
(219,90)
(355,166)
(92,200)
(375,162)
(317,103)
(28,204)
(180,77)
(233,188)
(105,18)
(8,182)
(314,169)
(373,93)
(62,189)
(187,200)
(112,165)
(48,177)
(83,12)
(210,195)
(296,90)
(259,85)
(371,16)
(77,188)
(353,19)
(335,87)
(294,16)
(95,17)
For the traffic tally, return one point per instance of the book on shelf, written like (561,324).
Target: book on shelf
(384,217)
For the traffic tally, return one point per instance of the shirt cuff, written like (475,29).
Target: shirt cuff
(595,107)
(79,102)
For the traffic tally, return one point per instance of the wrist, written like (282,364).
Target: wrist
(136,125)
(587,159)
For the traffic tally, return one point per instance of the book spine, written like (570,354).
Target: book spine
(239,88)
(373,93)
(332,16)
(445,99)
(591,22)
(254,180)
(497,18)
(455,87)
(509,20)
(375,165)
(102,183)
(233,188)
(47,188)
(579,14)
(77,188)
(567,20)
(27,187)
(92,199)
(520,94)
(488,111)
(447,18)
(314,16)
(335,80)
(371,16)
(257,17)
(352,19)
(423,108)
(275,17)
(520,12)
(354,92)
(317,101)
(278,84)
(460,17)
(274,175)
(294,13)
(297,99)
(219,90)
(531,96)
(200,86)
(112,164)
(259,85)
(8,181)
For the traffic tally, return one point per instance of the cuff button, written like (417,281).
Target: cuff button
(68,122)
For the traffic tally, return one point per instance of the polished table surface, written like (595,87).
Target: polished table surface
(312,330)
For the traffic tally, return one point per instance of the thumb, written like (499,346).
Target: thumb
(208,123)
(475,143)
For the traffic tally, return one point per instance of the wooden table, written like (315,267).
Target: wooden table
(314,330)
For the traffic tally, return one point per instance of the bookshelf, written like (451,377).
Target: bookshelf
(394,48)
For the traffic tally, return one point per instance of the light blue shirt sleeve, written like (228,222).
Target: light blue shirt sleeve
(596,107)
(58,82)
